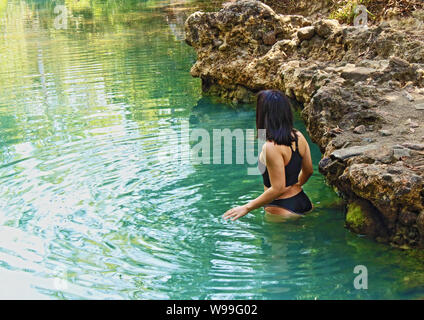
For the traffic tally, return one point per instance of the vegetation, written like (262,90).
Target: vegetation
(344,10)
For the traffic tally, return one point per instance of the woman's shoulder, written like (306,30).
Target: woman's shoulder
(270,146)
(302,142)
(298,133)
(300,136)
(272,149)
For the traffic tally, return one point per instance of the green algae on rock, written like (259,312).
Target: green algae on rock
(363,218)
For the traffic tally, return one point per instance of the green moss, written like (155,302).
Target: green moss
(356,218)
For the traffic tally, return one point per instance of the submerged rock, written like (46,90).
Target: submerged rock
(344,78)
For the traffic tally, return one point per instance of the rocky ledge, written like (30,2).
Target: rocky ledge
(361,91)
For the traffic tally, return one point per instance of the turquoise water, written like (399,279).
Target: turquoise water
(89,210)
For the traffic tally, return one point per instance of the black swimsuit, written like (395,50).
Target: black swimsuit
(299,203)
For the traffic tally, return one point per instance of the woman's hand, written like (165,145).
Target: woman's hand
(236,213)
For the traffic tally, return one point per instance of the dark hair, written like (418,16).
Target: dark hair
(274,114)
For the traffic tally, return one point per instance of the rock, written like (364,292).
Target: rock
(383,155)
(387,177)
(339,143)
(408,218)
(242,94)
(356,218)
(269,38)
(384,24)
(416,179)
(345,153)
(329,166)
(419,106)
(394,170)
(420,224)
(297,21)
(217,42)
(324,162)
(399,153)
(325,28)
(398,62)
(408,96)
(354,73)
(362,218)
(412,124)
(306,33)
(360,129)
(385,133)
(414,146)
(368,140)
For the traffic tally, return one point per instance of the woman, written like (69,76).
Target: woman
(285,161)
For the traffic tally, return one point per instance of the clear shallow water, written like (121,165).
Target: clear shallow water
(87,210)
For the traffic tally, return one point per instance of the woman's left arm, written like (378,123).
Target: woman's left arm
(275,166)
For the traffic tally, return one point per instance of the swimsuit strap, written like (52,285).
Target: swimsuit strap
(297,145)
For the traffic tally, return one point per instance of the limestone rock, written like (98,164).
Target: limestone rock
(326,27)
(269,38)
(414,146)
(306,33)
(362,218)
(400,153)
(408,218)
(345,153)
(360,129)
(385,133)
(354,73)
(420,223)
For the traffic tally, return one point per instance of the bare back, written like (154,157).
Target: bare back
(286,154)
